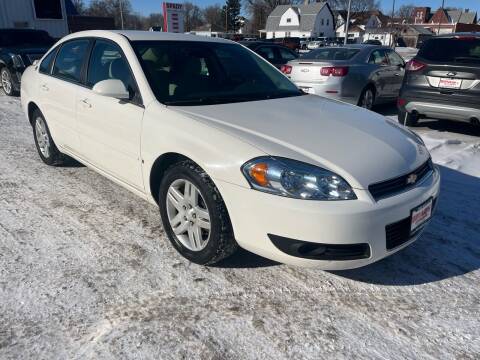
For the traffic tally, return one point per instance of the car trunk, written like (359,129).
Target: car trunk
(451,68)
(310,70)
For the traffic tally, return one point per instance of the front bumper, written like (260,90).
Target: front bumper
(255,215)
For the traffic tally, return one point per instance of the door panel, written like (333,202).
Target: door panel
(382,75)
(110,129)
(109,132)
(398,68)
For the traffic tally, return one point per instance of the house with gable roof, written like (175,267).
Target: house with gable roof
(303,21)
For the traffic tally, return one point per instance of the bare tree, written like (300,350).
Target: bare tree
(193,16)
(405,12)
(358,6)
(79,6)
(117,9)
(154,19)
(213,15)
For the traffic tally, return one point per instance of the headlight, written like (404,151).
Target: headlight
(296,179)
(17,61)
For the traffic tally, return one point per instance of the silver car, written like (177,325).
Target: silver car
(363,75)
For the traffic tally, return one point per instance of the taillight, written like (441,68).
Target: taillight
(401,102)
(414,65)
(334,70)
(286,69)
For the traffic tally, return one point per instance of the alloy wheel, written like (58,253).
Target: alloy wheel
(6,82)
(188,215)
(43,139)
(367,101)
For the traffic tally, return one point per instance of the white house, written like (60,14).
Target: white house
(308,20)
(49,15)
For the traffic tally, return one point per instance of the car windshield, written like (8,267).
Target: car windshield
(201,73)
(331,54)
(461,49)
(24,37)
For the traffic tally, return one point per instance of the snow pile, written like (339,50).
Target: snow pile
(455,154)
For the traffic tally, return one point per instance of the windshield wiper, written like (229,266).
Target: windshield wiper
(210,100)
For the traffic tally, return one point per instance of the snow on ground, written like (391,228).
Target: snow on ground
(86,272)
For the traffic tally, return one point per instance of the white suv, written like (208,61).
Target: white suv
(230,150)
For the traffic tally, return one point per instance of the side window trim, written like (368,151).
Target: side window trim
(50,67)
(80,83)
(137,100)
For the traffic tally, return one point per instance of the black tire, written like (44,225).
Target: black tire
(221,243)
(406,118)
(365,101)
(53,157)
(5,74)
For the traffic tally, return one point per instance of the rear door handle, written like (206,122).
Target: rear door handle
(86,103)
(398,74)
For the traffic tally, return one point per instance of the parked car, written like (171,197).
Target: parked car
(363,75)
(443,81)
(275,54)
(232,152)
(292,43)
(19,48)
(373,42)
(317,43)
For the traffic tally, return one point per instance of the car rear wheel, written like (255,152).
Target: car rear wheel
(7,82)
(367,98)
(194,215)
(46,147)
(407,119)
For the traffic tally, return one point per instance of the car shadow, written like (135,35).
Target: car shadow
(243,259)
(458,127)
(449,247)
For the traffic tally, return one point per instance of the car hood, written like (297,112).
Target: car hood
(361,146)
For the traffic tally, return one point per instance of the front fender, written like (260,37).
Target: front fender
(221,155)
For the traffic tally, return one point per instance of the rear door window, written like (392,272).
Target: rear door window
(378,57)
(394,58)
(461,50)
(70,58)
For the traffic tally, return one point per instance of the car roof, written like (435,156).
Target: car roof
(136,35)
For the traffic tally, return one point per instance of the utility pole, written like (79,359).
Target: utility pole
(226,19)
(347,24)
(392,43)
(121,12)
(443,5)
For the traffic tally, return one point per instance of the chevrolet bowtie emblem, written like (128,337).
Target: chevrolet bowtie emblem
(411,179)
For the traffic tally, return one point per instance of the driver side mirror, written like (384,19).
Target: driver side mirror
(112,88)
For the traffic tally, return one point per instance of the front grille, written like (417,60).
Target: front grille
(399,184)
(398,233)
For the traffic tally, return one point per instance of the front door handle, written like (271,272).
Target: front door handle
(44,87)
(86,103)
(398,74)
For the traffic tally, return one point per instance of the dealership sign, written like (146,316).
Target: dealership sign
(173,17)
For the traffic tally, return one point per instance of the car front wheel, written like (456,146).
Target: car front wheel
(194,215)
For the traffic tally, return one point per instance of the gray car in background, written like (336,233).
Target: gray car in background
(362,75)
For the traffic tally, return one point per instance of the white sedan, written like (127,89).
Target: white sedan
(230,150)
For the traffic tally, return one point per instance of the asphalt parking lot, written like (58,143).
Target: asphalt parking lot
(87,272)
